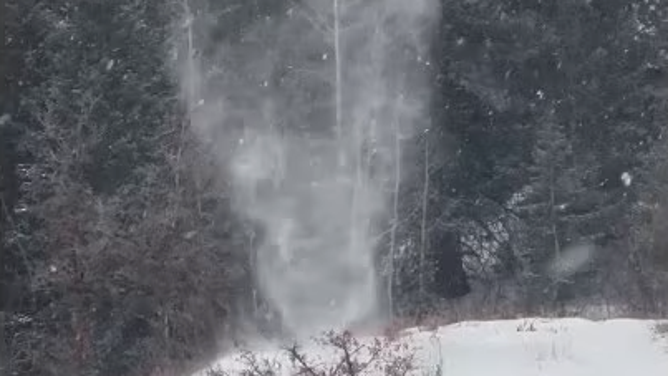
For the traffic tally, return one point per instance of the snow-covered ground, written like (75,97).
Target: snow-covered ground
(531,347)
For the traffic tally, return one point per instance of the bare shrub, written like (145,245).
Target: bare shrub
(346,356)
(661,329)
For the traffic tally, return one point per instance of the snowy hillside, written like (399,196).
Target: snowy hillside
(565,347)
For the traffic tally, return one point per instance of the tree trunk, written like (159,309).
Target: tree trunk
(338,101)
(423,224)
(4,353)
(450,278)
(395,217)
(553,218)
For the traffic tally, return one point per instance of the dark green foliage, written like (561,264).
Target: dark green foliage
(116,266)
(120,253)
(540,109)
(546,104)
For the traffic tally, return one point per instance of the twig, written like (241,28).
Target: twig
(295,355)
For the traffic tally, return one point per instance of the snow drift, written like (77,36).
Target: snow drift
(564,347)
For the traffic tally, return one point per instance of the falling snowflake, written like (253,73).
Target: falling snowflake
(626,179)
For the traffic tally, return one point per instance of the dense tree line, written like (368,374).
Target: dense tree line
(547,107)
(116,259)
(122,254)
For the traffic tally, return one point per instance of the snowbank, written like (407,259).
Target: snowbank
(564,347)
